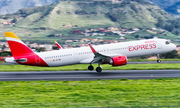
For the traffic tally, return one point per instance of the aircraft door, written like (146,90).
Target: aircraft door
(159,44)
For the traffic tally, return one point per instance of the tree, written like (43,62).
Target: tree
(14,20)
(172,54)
(139,1)
(137,36)
(176,23)
(40,49)
(176,32)
(169,27)
(112,17)
(5,53)
(160,23)
(133,7)
(58,12)
(125,2)
(3,47)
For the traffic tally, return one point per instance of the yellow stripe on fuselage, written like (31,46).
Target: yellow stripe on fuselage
(11,34)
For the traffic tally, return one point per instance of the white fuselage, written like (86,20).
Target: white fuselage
(85,55)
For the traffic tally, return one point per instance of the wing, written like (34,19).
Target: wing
(101,58)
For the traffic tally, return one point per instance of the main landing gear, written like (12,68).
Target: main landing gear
(98,69)
(158,58)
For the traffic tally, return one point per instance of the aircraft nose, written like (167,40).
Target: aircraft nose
(173,46)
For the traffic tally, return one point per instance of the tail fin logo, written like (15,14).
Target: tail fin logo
(18,48)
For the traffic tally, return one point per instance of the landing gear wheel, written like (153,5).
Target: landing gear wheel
(90,67)
(158,58)
(99,69)
(159,61)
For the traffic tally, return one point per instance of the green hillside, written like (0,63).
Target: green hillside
(38,22)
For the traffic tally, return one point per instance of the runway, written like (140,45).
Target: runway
(88,75)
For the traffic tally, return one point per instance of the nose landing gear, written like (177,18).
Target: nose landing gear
(158,58)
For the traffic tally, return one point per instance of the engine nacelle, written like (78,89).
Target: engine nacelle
(118,61)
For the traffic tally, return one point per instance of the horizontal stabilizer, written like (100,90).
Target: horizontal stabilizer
(22,60)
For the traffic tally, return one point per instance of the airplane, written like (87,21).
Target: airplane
(58,46)
(115,54)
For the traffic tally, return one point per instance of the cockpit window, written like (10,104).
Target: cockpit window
(167,42)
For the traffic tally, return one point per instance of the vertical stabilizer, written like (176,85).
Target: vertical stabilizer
(22,54)
(18,48)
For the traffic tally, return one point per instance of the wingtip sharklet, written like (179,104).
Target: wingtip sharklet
(92,49)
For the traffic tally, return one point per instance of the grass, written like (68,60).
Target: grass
(120,93)
(157,66)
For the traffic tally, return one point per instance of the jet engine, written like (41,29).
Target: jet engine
(118,61)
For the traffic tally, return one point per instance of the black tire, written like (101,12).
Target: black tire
(99,69)
(158,61)
(90,67)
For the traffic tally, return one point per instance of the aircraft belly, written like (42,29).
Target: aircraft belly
(64,61)
(55,63)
